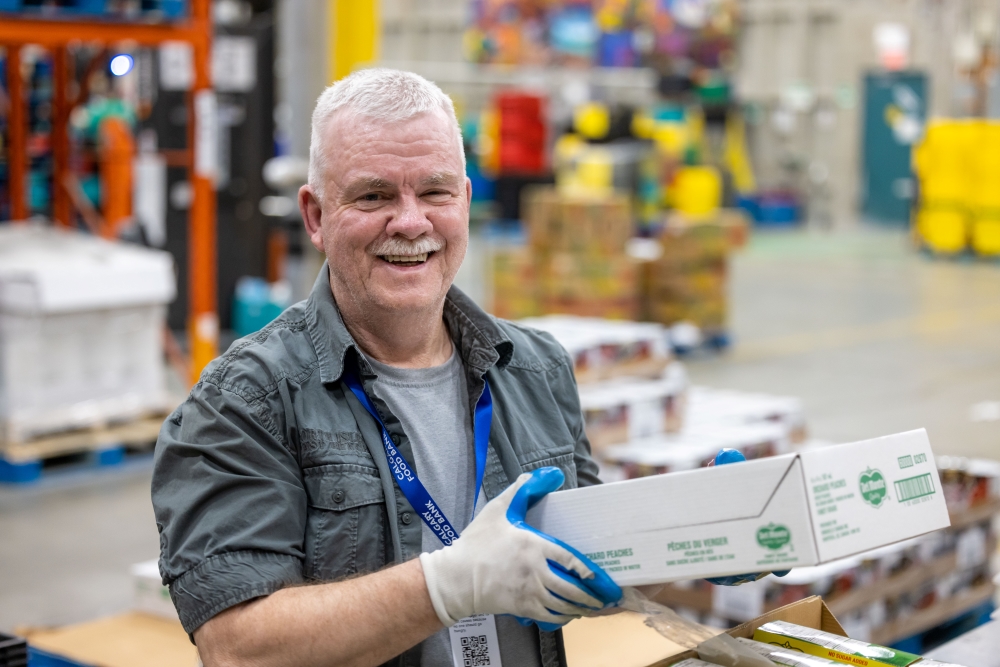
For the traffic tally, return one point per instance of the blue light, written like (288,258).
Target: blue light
(121,64)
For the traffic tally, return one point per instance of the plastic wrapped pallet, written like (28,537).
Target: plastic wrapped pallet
(81,330)
(725,406)
(693,447)
(604,349)
(619,411)
(688,282)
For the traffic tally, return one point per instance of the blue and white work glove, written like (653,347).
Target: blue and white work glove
(501,565)
(722,458)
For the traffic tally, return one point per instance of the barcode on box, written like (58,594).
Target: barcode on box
(914,487)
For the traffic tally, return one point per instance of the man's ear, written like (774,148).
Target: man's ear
(312,216)
(468,193)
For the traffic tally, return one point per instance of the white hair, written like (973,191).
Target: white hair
(381,94)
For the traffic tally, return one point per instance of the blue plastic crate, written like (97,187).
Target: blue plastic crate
(40,658)
(110,456)
(19,472)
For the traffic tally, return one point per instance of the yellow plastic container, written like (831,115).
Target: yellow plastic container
(697,191)
(944,162)
(986,236)
(943,230)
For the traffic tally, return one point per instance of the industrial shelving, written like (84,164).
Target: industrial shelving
(57,34)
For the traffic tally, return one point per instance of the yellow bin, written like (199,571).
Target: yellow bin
(986,236)
(942,229)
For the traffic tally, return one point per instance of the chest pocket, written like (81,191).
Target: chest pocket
(560,457)
(345,529)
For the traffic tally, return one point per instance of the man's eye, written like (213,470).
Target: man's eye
(371,196)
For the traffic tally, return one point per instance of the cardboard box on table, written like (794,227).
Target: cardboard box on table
(623,640)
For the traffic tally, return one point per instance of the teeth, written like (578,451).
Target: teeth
(406,259)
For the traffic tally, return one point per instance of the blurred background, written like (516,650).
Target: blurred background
(758,224)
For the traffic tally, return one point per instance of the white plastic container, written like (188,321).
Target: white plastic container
(81,330)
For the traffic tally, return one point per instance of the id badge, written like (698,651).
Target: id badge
(474,642)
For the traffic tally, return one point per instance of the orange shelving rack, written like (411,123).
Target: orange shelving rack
(56,35)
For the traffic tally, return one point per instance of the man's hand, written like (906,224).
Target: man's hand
(501,565)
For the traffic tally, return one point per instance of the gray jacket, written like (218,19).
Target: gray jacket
(272,474)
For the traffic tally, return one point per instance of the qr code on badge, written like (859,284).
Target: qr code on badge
(475,651)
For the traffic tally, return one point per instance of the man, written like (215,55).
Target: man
(368,425)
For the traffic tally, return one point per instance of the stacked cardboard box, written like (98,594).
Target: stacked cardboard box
(513,281)
(693,446)
(577,241)
(627,409)
(688,282)
(81,331)
(606,349)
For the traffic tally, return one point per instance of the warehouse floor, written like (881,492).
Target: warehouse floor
(872,336)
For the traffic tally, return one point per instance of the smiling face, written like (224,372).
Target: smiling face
(393,219)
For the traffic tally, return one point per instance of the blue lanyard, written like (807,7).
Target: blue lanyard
(409,483)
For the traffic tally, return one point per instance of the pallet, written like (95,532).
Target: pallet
(712,342)
(642,368)
(24,462)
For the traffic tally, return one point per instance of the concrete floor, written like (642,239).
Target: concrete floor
(875,338)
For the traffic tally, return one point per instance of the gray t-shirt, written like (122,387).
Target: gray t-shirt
(432,404)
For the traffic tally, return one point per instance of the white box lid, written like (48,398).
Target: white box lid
(47,270)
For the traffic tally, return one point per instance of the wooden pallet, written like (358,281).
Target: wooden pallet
(129,434)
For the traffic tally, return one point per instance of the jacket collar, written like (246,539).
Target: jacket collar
(480,341)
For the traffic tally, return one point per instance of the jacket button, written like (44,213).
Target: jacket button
(406,518)
(395,439)
(338,496)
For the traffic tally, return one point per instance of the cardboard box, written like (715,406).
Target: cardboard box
(597,223)
(603,349)
(623,640)
(81,331)
(132,639)
(770,514)
(695,446)
(619,411)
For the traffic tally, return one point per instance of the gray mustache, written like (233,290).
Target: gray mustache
(395,245)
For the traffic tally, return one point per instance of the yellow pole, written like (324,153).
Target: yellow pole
(354,35)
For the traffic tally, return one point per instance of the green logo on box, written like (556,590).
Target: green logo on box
(873,488)
(773,536)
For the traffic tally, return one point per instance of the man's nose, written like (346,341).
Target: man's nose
(409,220)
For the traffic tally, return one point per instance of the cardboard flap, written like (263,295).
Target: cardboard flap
(692,498)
